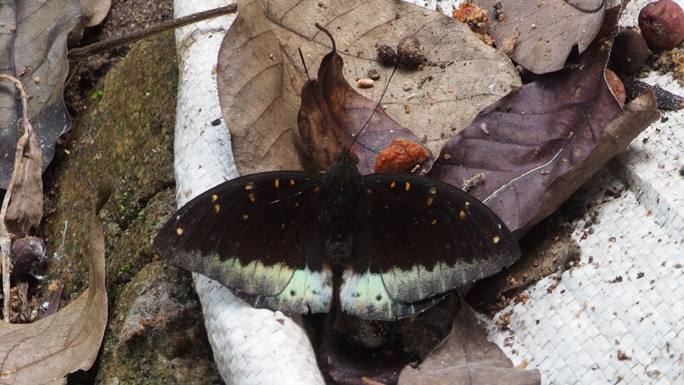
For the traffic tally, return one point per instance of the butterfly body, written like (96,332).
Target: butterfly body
(383,246)
(342,194)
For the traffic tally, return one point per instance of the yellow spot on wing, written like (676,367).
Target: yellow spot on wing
(277,183)
(496,239)
(462,214)
(292,182)
(214,198)
(252,197)
(179,231)
(217,208)
(407,186)
(433,190)
(249,186)
(433,221)
(429,201)
(245,216)
(393,184)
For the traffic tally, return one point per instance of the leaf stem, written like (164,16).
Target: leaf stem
(24,100)
(5,238)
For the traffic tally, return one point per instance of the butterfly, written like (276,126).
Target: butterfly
(377,246)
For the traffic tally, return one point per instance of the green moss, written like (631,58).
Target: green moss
(122,143)
(96,95)
(123,203)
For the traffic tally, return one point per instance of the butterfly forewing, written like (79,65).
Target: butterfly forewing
(259,236)
(420,238)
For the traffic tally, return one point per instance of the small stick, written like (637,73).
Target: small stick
(104,45)
(5,239)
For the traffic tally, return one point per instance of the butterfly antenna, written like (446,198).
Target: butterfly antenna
(301,56)
(356,136)
(330,36)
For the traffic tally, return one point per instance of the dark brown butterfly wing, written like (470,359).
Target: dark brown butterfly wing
(420,238)
(259,236)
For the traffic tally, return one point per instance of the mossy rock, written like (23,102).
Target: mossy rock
(121,148)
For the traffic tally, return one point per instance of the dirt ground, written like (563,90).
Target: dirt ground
(125,16)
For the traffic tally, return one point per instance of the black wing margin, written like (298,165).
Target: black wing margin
(258,236)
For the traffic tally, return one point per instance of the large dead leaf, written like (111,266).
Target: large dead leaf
(45,351)
(467,358)
(545,32)
(260,74)
(538,144)
(333,111)
(33,36)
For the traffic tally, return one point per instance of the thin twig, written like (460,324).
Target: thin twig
(22,95)
(92,49)
(5,239)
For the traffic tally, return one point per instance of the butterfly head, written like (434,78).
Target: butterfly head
(346,156)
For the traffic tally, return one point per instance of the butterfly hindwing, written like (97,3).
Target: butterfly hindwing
(420,238)
(259,236)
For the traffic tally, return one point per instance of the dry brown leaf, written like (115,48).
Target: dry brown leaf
(33,38)
(467,358)
(25,207)
(45,351)
(332,110)
(547,30)
(260,74)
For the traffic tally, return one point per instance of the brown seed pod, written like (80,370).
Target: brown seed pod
(662,24)
(630,52)
(411,52)
(386,54)
(29,256)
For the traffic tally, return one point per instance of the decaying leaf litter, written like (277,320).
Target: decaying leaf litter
(532,144)
(33,31)
(261,77)
(280,22)
(45,351)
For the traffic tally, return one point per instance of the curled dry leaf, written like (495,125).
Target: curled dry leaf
(538,144)
(45,351)
(33,38)
(467,358)
(25,207)
(260,75)
(547,30)
(332,109)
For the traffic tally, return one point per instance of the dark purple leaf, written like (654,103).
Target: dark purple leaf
(546,136)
